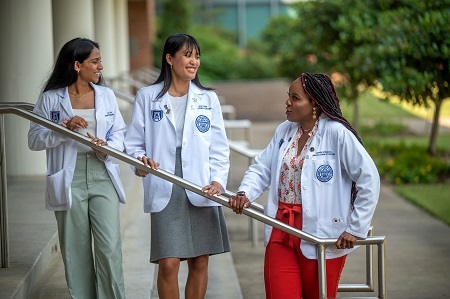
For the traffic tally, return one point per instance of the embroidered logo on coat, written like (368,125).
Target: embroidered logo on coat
(203,123)
(324,173)
(55,116)
(157,115)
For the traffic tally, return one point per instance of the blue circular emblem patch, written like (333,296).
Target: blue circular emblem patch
(203,123)
(324,173)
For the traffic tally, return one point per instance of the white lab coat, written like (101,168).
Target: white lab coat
(326,190)
(205,150)
(62,151)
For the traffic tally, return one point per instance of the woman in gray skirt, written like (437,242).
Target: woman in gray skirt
(177,125)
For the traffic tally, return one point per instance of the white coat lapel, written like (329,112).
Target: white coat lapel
(193,101)
(166,107)
(99,98)
(65,102)
(288,139)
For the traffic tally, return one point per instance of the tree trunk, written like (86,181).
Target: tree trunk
(355,97)
(355,123)
(434,128)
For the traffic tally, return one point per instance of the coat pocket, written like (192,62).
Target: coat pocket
(331,229)
(325,172)
(58,188)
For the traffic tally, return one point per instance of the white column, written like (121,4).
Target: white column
(122,37)
(105,33)
(26,57)
(72,19)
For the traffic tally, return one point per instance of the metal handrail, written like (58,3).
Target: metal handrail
(251,154)
(223,200)
(22,105)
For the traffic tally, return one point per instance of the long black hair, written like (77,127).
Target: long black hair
(320,89)
(64,74)
(173,44)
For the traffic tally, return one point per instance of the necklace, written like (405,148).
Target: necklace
(77,95)
(306,130)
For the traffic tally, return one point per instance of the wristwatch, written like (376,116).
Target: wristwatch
(240,193)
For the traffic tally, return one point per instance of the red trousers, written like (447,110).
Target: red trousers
(287,272)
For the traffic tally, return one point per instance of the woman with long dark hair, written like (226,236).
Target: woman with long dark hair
(83,184)
(322,181)
(177,125)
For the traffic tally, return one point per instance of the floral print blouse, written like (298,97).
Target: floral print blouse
(289,187)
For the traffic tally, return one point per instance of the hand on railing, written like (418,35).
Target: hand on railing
(147,162)
(99,142)
(75,123)
(238,202)
(213,189)
(346,240)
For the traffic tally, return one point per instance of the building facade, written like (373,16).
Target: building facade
(31,34)
(245,18)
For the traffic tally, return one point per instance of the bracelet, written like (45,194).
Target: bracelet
(241,193)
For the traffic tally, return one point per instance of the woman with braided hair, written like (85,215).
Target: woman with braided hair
(321,181)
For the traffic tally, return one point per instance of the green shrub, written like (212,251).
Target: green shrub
(401,164)
(384,129)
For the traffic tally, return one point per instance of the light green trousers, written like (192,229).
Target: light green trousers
(89,234)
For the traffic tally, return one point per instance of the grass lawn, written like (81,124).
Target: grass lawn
(433,198)
(373,109)
(424,112)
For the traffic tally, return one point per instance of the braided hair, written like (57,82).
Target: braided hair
(321,91)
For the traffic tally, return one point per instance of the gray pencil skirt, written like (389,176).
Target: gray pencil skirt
(183,231)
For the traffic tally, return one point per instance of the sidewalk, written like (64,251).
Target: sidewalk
(417,245)
(417,251)
(37,271)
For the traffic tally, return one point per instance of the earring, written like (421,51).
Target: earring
(314,113)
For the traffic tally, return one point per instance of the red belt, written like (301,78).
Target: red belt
(289,211)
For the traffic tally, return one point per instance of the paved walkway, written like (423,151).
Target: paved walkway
(418,246)
(37,271)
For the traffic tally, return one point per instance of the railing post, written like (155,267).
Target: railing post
(322,271)
(369,261)
(382,271)
(3,199)
(253,221)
